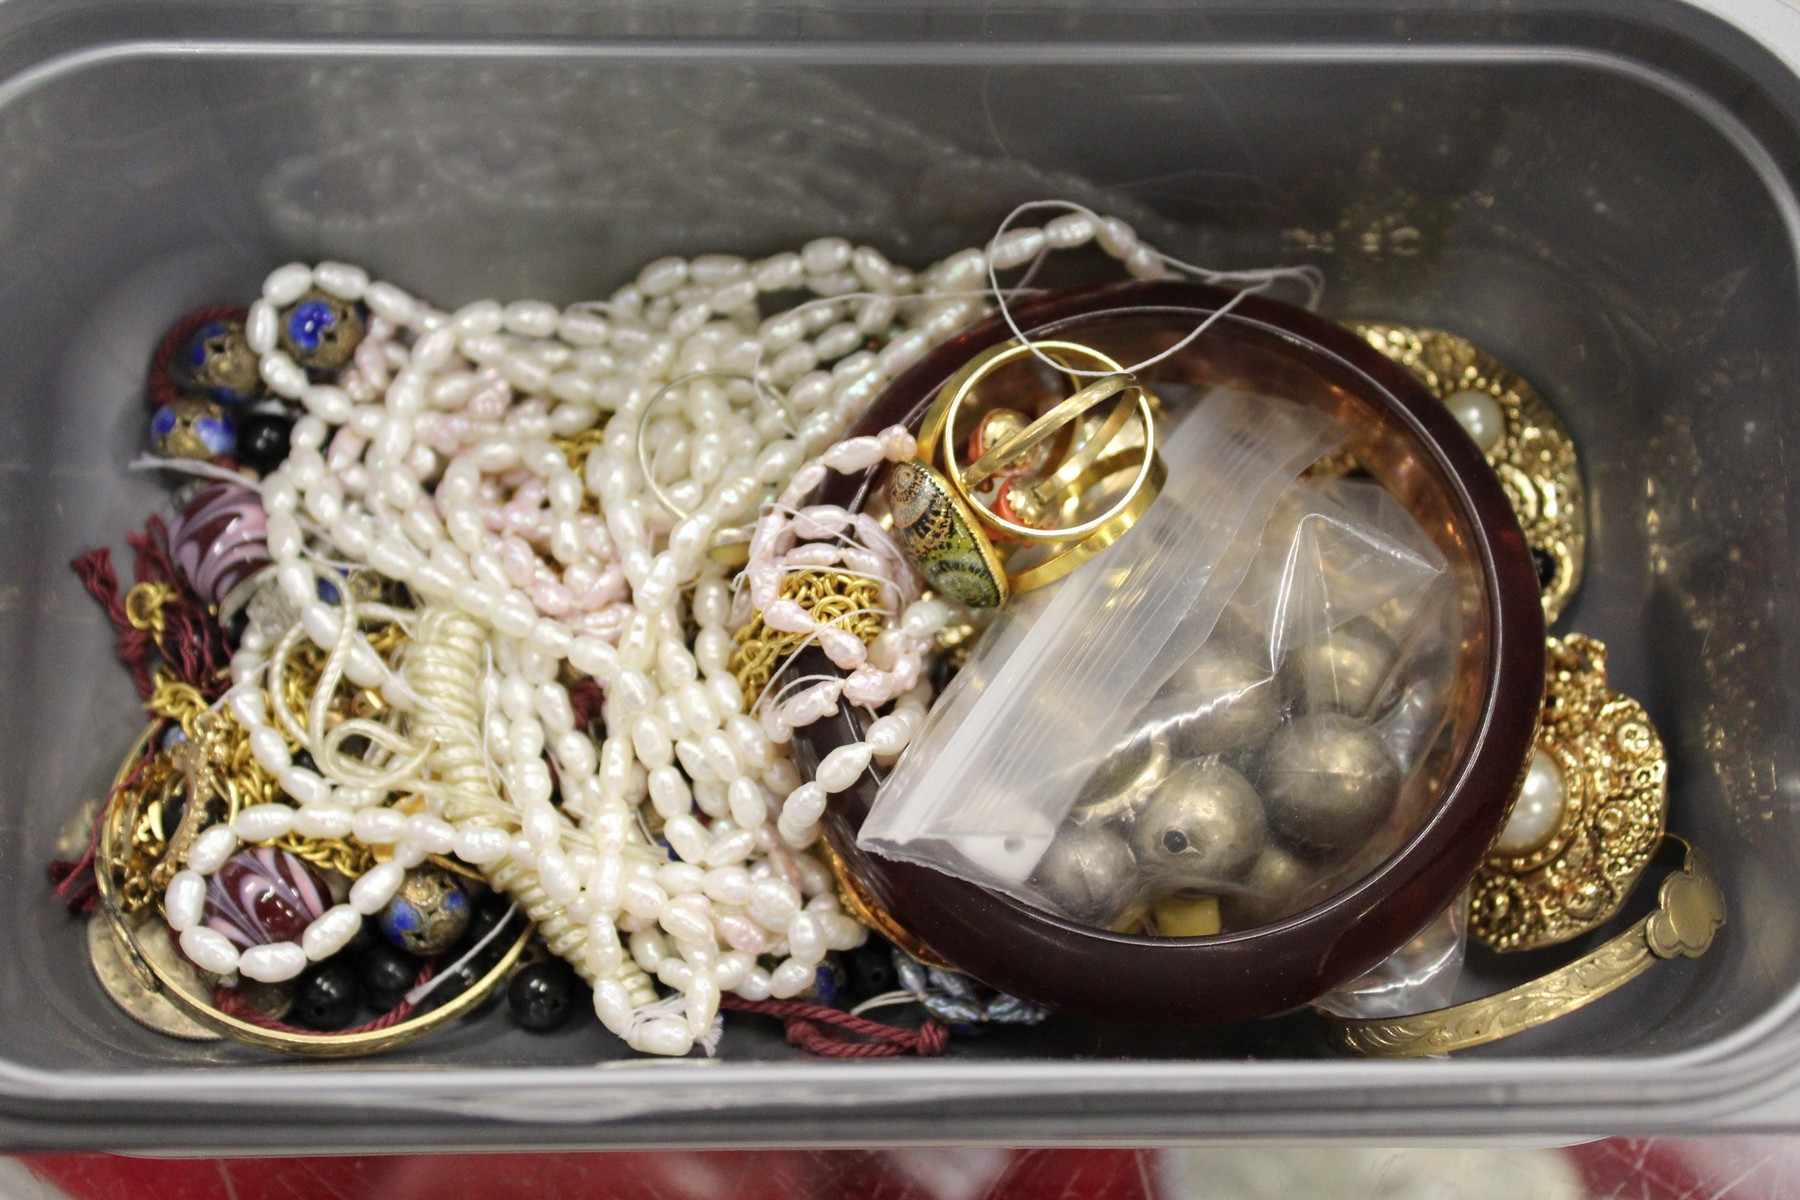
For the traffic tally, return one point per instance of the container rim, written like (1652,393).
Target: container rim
(1735,1080)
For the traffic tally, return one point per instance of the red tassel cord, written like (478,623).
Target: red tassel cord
(806,1029)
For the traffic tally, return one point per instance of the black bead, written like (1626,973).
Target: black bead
(326,996)
(263,440)
(388,973)
(869,969)
(544,995)
(366,935)
(1546,566)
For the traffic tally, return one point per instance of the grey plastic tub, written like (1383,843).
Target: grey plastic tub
(1600,193)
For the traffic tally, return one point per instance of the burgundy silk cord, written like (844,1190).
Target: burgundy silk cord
(805,1025)
(228,1001)
(192,644)
(96,572)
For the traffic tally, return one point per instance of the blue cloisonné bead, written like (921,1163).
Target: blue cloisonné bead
(321,332)
(428,913)
(220,362)
(193,427)
(829,985)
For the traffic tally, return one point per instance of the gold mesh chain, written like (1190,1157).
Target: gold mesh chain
(834,598)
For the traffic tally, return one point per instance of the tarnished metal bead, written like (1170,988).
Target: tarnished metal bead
(1219,701)
(1346,669)
(1330,781)
(1277,886)
(1119,788)
(1204,826)
(219,360)
(1086,874)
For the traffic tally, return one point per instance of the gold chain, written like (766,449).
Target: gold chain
(144,605)
(836,598)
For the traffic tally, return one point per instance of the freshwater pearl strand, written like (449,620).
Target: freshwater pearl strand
(431,461)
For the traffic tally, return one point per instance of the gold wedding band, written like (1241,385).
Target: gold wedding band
(1027,439)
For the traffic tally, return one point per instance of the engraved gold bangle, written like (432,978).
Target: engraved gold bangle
(314,1045)
(1690,910)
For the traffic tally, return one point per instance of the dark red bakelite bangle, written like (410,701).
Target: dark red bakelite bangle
(1414,447)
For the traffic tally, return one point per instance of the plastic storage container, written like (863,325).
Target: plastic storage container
(1601,194)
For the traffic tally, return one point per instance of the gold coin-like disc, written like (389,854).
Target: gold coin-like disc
(149,1009)
(1615,792)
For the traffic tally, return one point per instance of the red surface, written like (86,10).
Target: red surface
(1766,1168)
(672,1175)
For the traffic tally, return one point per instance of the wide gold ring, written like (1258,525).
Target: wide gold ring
(1690,910)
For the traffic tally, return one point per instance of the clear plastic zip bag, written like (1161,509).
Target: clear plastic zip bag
(1223,720)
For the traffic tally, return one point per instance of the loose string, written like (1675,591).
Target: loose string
(424,987)
(198,468)
(1253,282)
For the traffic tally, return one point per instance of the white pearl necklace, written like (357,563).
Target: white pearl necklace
(438,417)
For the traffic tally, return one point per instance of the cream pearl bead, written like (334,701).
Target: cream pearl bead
(378,826)
(1538,812)
(209,950)
(330,932)
(843,767)
(211,849)
(263,822)
(790,979)
(370,894)
(184,900)
(1480,416)
(272,963)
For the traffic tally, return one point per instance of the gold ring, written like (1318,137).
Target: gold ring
(1117,383)
(1026,439)
(935,424)
(315,1045)
(1690,910)
(943,529)
(1051,569)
